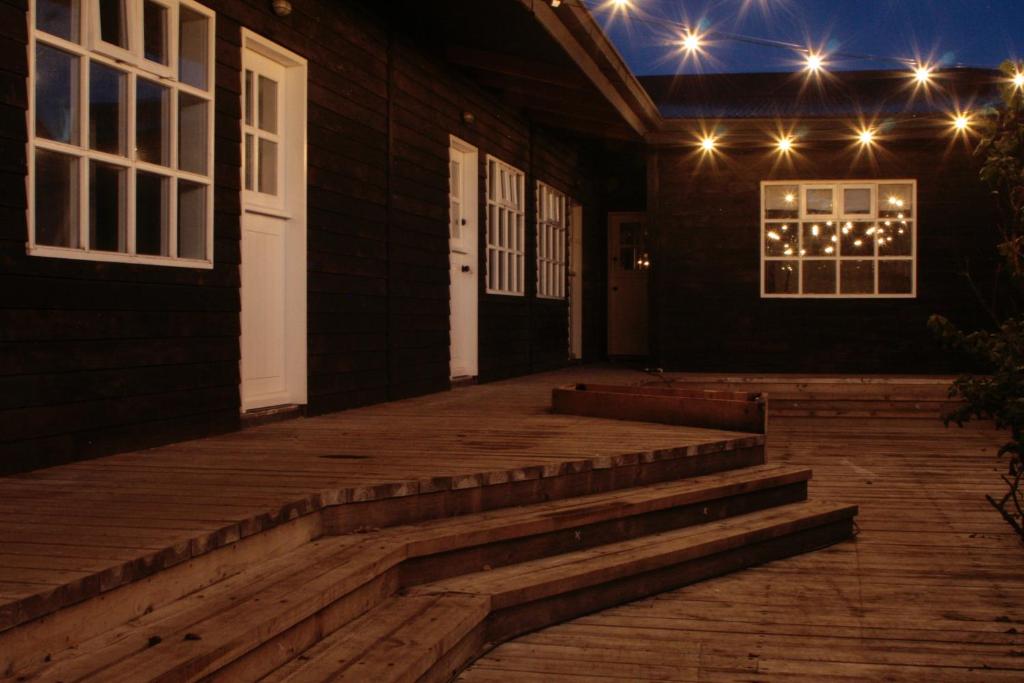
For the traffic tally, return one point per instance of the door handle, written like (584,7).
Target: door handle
(466,269)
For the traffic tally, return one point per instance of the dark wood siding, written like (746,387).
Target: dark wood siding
(101,357)
(707,294)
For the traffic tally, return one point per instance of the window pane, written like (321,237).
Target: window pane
(268,104)
(152,214)
(268,167)
(191,220)
(781,201)
(781,277)
(248,97)
(895,277)
(857,277)
(113,23)
(193,48)
(107,207)
(107,96)
(154,32)
(819,277)
(780,239)
(819,238)
(248,161)
(858,239)
(896,238)
(895,201)
(857,201)
(820,201)
(192,133)
(58,17)
(56,95)
(56,199)
(152,125)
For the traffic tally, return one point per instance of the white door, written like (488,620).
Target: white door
(273,366)
(576,282)
(629,262)
(463,236)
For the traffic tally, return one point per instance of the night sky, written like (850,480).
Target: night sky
(941,32)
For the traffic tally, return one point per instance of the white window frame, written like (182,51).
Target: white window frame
(506,229)
(88,50)
(840,215)
(552,233)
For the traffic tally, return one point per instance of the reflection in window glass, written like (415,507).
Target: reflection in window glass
(857,238)
(193,59)
(267,165)
(782,277)
(819,277)
(781,239)
(191,220)
(782,201)
(154,32)
(192,127)
(819,238)
(56,95)
(268,104)
(56,199)
(107,96)
(152,122)
(895,238)
(896,201)
(151,214)
(857,277)
(107,207)
(113,22)
(58,18)
(819,201)
(857,201)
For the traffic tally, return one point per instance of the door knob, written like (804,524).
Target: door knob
(465,269)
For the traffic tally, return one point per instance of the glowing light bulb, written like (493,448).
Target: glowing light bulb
(857,243)
(621,4)
(815,62)
(866,136)
(790,198)
(923,74)
(785,145)
(707,143)
(693,42)
(829,249)
(772,235)
(788,251)
(961,122)
(815,230)
(1018,79)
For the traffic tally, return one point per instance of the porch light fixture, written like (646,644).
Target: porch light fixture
(708,143)
(866,136)
(962,122)
(815,62)
(785,146)
(282,8)
(693,42)
(923,74)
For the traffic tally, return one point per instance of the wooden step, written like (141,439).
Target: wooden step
(253,622)
(434,630)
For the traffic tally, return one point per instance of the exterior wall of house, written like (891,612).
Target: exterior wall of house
(103,357)
(707,307)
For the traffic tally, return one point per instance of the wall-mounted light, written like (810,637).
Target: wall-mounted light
(468,118)
(282,8)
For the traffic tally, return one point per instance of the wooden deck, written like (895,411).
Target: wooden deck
(76,531)
(931,590)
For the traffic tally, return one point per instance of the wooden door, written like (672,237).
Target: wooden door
(576,282)
(463,236)
(273,278)
(628,266)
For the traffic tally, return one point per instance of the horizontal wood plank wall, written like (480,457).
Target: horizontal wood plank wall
(104,357)
(96,357)
(706,272)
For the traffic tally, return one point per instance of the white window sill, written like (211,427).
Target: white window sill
(114,257)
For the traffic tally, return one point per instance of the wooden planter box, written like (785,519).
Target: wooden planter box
(734,411)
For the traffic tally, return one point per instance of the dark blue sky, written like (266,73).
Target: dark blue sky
(948,32)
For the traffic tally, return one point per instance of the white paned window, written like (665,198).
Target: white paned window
(552,230)
(121,131)
(506,231)
(839,239)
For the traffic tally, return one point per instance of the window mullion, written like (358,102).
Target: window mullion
(83,161)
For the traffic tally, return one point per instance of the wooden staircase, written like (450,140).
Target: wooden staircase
(417,602)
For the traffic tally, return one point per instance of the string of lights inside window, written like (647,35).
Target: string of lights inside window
(693,43)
